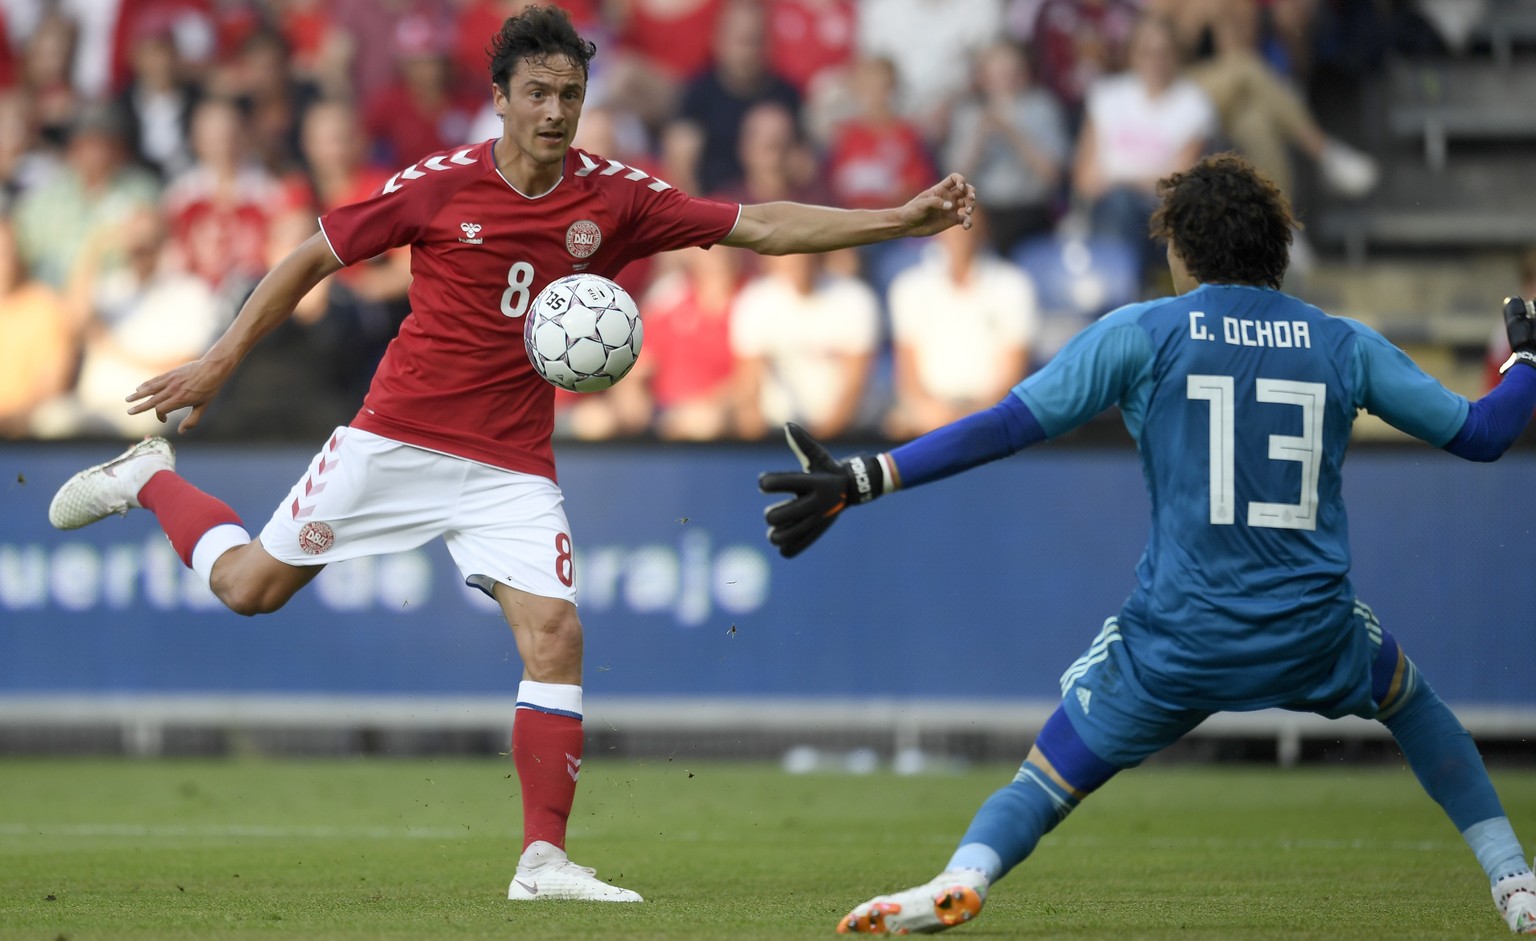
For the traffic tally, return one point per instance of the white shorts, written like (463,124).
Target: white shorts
(366,495)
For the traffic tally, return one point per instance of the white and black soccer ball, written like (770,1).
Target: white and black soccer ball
(583,333)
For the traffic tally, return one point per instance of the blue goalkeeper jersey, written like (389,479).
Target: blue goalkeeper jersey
(1241,401)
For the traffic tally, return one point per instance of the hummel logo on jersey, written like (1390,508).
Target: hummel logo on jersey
(1083,695)
(471,233)
(572,765)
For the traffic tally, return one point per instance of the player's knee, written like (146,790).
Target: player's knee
(247,597)
(557,645)
(563,636)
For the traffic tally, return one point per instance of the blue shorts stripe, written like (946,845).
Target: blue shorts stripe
(1097,652)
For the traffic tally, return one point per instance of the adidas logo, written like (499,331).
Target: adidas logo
(1083,695)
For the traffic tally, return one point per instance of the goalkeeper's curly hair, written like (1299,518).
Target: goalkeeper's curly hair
(1227,221)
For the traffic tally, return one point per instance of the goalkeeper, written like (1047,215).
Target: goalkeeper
(1240,399)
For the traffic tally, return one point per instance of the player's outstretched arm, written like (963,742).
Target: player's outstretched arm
(784,228)
(273,301)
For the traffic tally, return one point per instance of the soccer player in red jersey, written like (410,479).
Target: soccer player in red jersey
(453,439)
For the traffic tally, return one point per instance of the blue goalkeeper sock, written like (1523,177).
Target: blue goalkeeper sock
(1011,822)
(1447,764)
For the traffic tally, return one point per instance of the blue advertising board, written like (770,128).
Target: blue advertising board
(986,586)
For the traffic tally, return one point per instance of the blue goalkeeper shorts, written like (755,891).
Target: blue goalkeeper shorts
(1123,723)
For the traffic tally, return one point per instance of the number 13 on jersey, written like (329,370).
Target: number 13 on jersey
(1305,449)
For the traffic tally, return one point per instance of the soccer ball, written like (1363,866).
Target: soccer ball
(583,333)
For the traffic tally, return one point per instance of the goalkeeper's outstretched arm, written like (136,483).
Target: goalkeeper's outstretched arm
(1494,421)
(824,487)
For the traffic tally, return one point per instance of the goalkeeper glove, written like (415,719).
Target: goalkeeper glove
(1520,322)
(822,488)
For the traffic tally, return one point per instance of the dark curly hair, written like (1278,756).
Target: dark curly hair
(1227,221)
(536,33)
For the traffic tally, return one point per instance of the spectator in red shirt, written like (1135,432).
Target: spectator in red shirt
(672,35)
(876,156)
(220,209)
(421,112)
(809,37)
(688,367)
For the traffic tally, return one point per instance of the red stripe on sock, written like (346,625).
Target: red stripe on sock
(547,752)
(184,512)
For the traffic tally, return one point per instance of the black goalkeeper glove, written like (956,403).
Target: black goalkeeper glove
(821,490)
(1520,322)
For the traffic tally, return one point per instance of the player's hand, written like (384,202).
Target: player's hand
(822,488)
(951,201)
(1520,323)
(194,384)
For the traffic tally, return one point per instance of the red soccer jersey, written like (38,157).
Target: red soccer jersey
(457,379)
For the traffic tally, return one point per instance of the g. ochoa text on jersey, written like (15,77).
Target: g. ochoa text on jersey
(1281,334)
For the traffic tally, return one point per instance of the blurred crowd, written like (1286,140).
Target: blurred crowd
(157,156)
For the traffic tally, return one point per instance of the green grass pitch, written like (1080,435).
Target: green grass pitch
(417,849)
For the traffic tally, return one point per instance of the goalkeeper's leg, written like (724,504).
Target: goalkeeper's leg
(1059,772)
(1104,724)
(1447,764)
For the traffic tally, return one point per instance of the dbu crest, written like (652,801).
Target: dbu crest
(583,238)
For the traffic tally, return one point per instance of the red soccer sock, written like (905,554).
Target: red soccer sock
(184,512)
(546,748)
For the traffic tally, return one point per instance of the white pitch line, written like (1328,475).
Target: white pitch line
(223,831)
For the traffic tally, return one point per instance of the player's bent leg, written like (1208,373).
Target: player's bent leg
(205,532)
(1058,774)
(249,581)
(111,487)
(1445,759)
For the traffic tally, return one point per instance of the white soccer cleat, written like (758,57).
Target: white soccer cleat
(949,899)
(1516,898)
(544,872)
(98,492)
